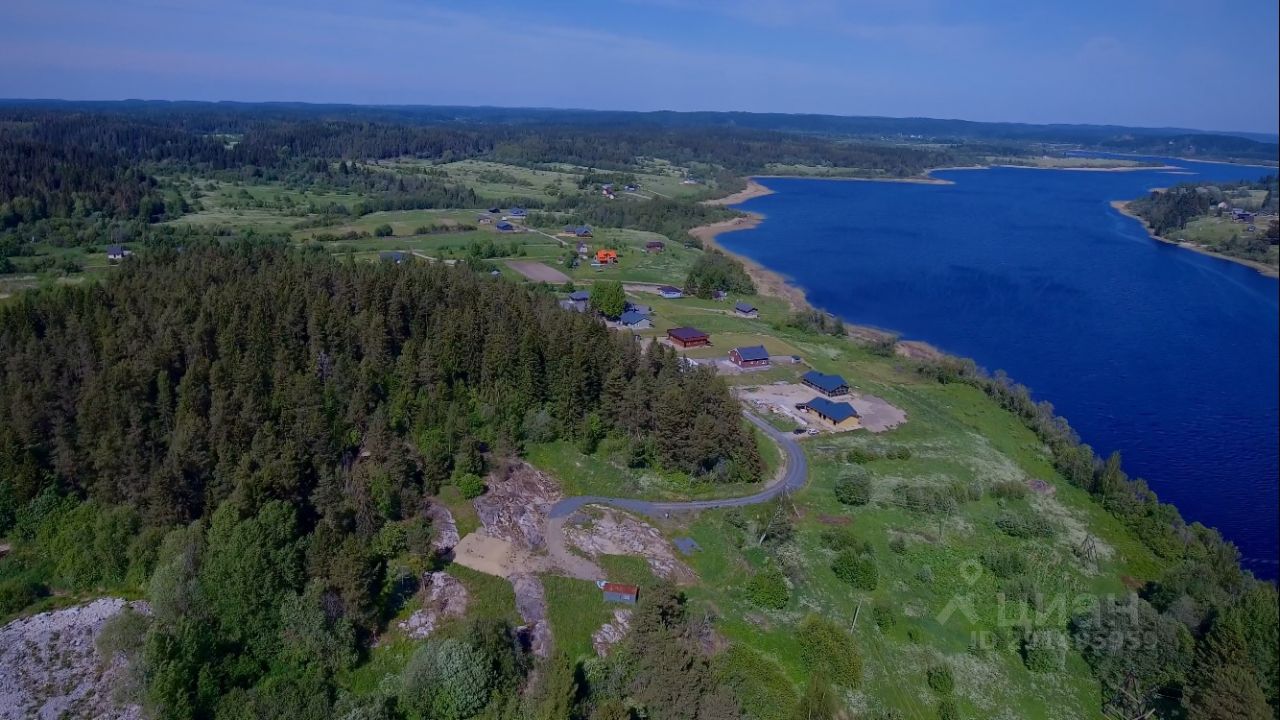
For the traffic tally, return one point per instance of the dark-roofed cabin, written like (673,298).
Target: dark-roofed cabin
(687,337)
(655,246)
(518,212)
(619,593)
(754,356)
(579,299)
(393,256)
(746,310)
(841,416)
(582,231)
(635,320)
(670,293)
(829,385)
(505,227)
(117,252)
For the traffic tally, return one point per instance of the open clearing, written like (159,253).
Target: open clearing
(876,414)
(537,271)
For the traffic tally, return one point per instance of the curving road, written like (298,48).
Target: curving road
(792,476)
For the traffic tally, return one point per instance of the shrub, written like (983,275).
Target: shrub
(768,589)
(940,679)
(1044,651)
(757,682)
(1009,490)
(922,498)
(853,489)
(857,570)
(884,617)
(825,645)
(840,539)
(18,592)
(925,575)
(1024,525)
(122,633)
(448,680)
(947,710)
(898,544)
(1005,564)
(470,485)
(383,230)
(861,455)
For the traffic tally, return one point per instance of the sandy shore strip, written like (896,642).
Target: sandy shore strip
(1123,207)
(917,180)
(767,281)
(750,192)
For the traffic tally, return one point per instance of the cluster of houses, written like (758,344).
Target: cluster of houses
(502,222)
(840,415)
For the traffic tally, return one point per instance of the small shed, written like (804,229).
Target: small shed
(618,592)
(687,337)
(746,310)
(753,356)
(829,385)
(670,293)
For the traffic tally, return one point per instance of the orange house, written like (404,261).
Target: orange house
(604,257)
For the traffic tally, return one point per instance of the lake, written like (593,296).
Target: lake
(1164,354)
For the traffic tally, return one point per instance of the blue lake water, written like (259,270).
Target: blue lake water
(1164,354)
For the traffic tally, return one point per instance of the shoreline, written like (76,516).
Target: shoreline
(752,191)
(918,179)
(1122,206)
(772,283)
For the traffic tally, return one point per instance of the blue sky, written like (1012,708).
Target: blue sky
(1167,63)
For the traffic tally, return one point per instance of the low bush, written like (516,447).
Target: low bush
(1008,490)
(1005,564)
(940,679)
(756,681)
(768,589)
(854,489)
(884,617)
(1044,651)
(470,485)
(826,645)
(857,570)
(1024,525)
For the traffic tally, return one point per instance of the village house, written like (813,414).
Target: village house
(115,253)
(840,415)
(719,295)
(606,256)
(582,249)
(495,210)
(750,357)
(582,231)
(745,310)
(505,227)
(655,246)
(484,219)
(618,592)
(670,293)
(518,212)
(829,385)
(394,256)
(579,299)
(635,320)
(631,188)
(642,309)
(687,337)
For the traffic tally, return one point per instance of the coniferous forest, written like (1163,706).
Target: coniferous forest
(249,432)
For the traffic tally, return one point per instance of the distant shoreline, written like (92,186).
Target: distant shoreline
(918,179)
(750,192)
(1123,207)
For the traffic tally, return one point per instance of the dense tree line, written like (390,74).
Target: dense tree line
(1204,631)
(673,218)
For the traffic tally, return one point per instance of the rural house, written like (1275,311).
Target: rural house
(754,356)
(745,310)
(394,256)
(841,416)
(117,252)
(579,299)
(518,212)
(582,231)
(505,227)
(604,257)
(687,337)
(829,385)
(484,219)
(655,246)
(670,293)
(617,592)
(635,320)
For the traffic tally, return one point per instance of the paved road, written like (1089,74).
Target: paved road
(792,476)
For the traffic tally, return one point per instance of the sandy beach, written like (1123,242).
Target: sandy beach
(751,191)
(1123,207)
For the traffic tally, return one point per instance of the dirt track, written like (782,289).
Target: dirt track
(537,271)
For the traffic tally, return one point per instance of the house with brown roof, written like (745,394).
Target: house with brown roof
(687,337)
